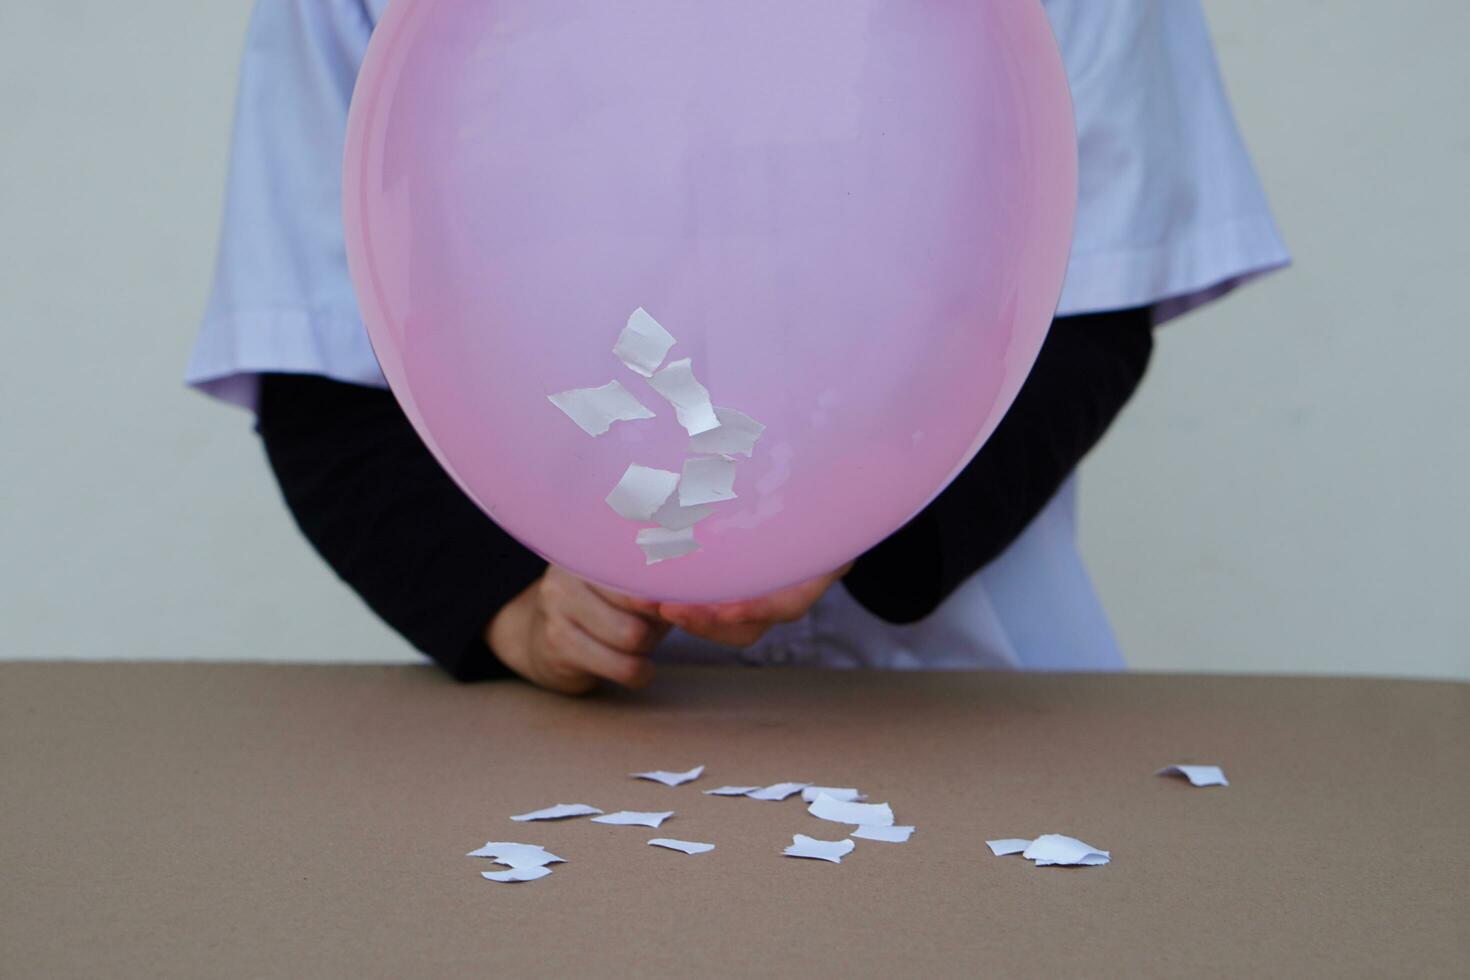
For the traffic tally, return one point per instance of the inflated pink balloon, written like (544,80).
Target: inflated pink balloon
(853,216)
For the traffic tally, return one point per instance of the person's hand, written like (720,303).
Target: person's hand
(566,634)
(743,622)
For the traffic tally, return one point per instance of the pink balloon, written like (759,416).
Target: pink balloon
(853,215)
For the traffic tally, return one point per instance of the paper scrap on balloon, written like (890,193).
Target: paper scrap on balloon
(517,874)
(642,491)
(634,818)
(803,846)
(676,517)
(661,543)
(643,344)
(687,846)
(777,791)
(515,855)
(1008,845)
(690,399)
(596,409)
(559,812)
(890,835)
(706,480)
(736,435)
(862,814)
(1197,775)
(671,778)
(845,794)
(1049,849)
(731,791)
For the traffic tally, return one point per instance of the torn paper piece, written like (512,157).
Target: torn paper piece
(1197,775)
(516,874)
(643,344)
(515,855)
(675,517)
(634,818)
(671,778)
(803,846)
(731,791)
(596,409)
(689,398)
(1049,849)
(862,814)
(707,480)
(559,812)
(847,795)
(1010,845)
(642,491)
(687,846)
(891,835)
(777,791)
(661,544)
(736,435)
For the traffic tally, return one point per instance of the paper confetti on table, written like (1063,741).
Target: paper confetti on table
(1197,775)
(559,812)
(515,855)
(846,795)
(864,814)
(671,778)
(516,874)
(1052,849)
(687,846)
(777,791)
(803,846)
(731,791)
(890,835)
(634,818)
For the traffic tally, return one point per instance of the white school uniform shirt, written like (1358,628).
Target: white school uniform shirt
(1170,215)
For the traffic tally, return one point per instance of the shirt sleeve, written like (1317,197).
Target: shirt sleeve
(282,296)
(1170,212)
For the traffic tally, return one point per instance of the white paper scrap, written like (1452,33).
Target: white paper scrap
(1009,845)
(671,778)
(891,835)
(731,791)
(1049,849)
(559,812)
(846,795)
(642,491)
(676,517)
(862,814)
(687,846)
(596,409)
(1197,775)
(690,399)
(643,344)
(803,846)
(707,480)
(515,855)
(516,874)
(634,818)
(777,791)
(736,435)
(661,544)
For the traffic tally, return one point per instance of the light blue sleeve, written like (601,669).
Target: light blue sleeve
(282,297)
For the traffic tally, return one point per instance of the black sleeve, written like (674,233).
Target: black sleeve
(1088,368)
(387,518)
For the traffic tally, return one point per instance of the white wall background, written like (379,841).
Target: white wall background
(1286,493)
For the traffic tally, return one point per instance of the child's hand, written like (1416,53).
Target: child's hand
(565,634)
(741,623)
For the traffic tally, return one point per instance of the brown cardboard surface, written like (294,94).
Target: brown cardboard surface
(264,821)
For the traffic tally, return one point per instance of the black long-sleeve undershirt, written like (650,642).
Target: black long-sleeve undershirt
(384,515)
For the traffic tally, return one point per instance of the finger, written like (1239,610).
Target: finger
(647,608)
(611,626)
(570,647)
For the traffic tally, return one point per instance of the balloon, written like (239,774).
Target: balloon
(851,216)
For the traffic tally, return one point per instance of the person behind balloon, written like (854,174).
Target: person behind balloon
(1170,216)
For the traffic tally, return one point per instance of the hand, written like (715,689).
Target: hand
(565,634)
(743,622)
